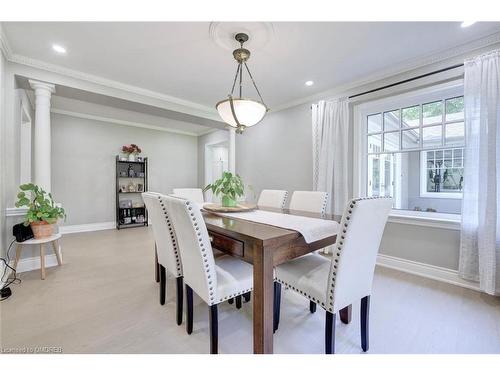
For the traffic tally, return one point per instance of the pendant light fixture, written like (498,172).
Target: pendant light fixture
(239,112)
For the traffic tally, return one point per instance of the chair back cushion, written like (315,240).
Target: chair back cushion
(192,194)
(310,201)
(163,231)
(272,198)
(356,248)
(194,247)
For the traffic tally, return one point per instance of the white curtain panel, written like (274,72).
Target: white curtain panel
(330,131)
(480,235)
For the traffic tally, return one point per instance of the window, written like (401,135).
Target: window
(441,173)
(413,150)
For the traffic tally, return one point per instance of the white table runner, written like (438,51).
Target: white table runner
(312,229)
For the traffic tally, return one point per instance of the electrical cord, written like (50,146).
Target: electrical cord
(10,280)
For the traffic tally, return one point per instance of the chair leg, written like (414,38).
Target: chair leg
(189,309)
(365,312)
(330,333)
(163,284)
(180,300)
(247,296)
(230,301)
(277,305)
(214,329)
(157,267)
(238,302)
(346,314)
(312,307)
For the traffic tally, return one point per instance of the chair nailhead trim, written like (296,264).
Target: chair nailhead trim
(346,217)
(208,270)
(322,304)
(172,237)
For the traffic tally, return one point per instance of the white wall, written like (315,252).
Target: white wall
(83,164)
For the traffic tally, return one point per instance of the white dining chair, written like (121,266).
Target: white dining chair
(346,278)
(213,280)
(166,247)
(193,194)
(272,198)
(309,201)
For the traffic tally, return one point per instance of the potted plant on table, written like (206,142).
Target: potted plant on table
(42,211)
(131,150)
(229,187)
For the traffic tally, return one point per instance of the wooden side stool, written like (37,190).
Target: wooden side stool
(40,241)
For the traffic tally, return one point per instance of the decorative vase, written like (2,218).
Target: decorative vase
(228,202)
(131,157)
(41,229)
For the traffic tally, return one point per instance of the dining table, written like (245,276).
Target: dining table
(265,246)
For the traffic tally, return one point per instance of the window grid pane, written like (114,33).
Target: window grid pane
(392,120)
(432,113)
(423,120)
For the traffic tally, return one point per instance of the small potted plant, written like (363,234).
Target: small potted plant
(131,150)
(229,187)
(42,211)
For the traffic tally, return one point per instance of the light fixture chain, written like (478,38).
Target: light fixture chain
(241,81)
(254,84)
(235,77)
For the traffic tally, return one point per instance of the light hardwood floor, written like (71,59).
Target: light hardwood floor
(104,300)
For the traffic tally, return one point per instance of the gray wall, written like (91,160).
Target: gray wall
(83,164)
(277,154)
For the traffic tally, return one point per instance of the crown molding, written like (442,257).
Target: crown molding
(4,44)
(405,67)
(126,123)
(179,104)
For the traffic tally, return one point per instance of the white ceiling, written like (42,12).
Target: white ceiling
(191,60)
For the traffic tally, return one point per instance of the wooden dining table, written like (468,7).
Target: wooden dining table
(264,246)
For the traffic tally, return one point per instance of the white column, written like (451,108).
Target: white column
(232,150)
(42,174)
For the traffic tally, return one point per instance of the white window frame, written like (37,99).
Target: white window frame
(361,111)
(423,180)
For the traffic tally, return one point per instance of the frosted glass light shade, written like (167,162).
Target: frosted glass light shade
(248,112)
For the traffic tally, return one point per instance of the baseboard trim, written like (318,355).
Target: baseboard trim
(33,263)
(445,275)
(66,229)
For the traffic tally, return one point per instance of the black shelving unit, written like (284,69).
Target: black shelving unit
(131,174)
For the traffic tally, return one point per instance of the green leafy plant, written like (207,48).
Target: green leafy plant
(41,206)
(229,187)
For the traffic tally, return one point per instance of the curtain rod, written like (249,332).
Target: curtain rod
(407,80)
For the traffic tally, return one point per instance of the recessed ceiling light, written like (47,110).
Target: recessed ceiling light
(467,23)
(309,83)
(59,49)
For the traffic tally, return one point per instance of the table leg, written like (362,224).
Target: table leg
(42,262)
(55,246)
(18,255)
(346,314)
(263,289)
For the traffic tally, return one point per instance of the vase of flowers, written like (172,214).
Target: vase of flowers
(131,150)
(229,187)
(42,211)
